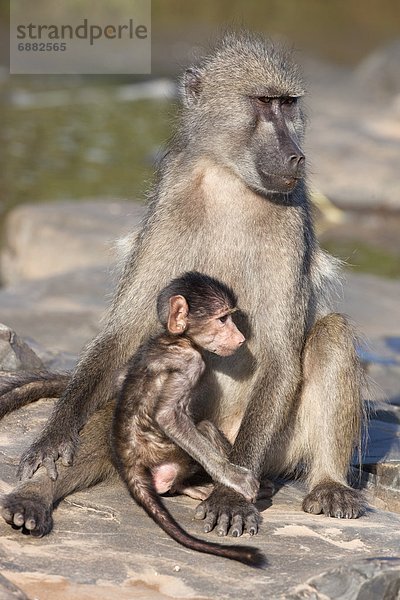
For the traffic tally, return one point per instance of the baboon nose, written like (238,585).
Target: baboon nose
(296,162)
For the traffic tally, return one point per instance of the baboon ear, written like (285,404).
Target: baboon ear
(177,315)
(192,81)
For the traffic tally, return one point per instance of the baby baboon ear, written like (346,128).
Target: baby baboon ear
(192,86)
(178,315)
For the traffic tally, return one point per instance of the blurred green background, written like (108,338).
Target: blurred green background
(72,148)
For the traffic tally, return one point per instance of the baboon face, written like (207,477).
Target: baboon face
(246,98)
(274,144)
(217,334)
(213,330)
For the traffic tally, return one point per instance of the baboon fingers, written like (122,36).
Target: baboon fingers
(50,466)
(228,512)
(31,514)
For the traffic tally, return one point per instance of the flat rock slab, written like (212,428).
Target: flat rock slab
(369,579)
(43,240)
(104,546)
(61,312)
(59,269)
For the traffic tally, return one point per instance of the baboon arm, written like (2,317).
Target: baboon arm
(174,420)
(181,430)
(267,412)
(90,388)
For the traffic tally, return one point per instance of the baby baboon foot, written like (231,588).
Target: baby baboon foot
(334,500)
(30,514)
(267,489)
(226,511)
(197,492)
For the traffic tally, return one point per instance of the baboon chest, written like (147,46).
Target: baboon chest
(260,250)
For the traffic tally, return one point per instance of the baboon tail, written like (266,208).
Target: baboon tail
(20,388)
(145,495)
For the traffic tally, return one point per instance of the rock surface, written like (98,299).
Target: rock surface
(9,591)
(44,240)
(104,547)
(369,579)
(352,145)
(15,354)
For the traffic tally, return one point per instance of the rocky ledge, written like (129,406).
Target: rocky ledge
(102,545)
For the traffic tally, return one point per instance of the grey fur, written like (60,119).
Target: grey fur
(292,394)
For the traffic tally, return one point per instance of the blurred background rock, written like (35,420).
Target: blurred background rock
(88,136)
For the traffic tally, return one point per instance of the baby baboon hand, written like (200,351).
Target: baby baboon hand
(242,480)
(45,451)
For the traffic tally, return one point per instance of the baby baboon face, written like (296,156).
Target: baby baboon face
(200,307)
(217,334)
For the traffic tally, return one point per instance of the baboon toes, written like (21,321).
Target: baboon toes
(334,500)
(227,512)
(30,514)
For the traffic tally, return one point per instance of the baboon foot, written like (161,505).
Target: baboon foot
(334,500)
(226,511)
(28,513)
(197,492)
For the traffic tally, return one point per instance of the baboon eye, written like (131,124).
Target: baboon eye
(223,319)
(289,100)
(264,99)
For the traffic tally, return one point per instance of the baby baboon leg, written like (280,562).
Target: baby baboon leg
(329,419)
(267,489)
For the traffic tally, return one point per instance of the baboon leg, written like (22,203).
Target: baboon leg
(201,491)
(30,505)
(328,422)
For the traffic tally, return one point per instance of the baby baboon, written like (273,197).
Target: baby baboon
(230,201)
(157,446)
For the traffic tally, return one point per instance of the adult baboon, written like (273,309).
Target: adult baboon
(230,201)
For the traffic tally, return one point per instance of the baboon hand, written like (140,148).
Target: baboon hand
(27,511)
(226,511)
(242,480)
(45,451)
